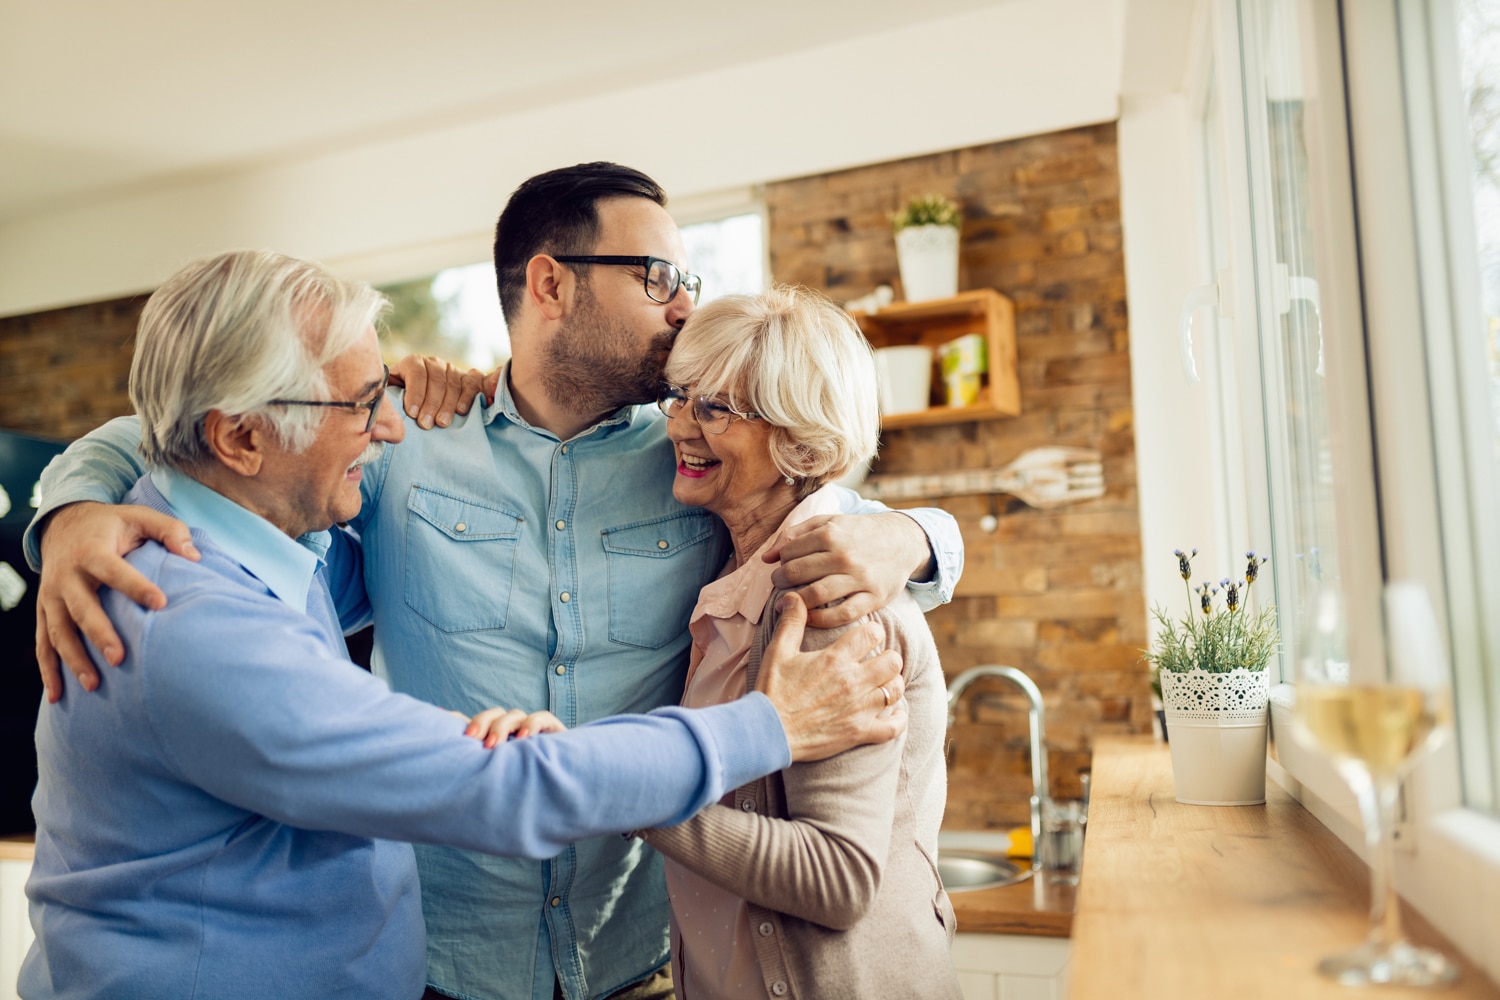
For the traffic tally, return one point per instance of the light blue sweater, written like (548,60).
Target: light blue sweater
(205,820)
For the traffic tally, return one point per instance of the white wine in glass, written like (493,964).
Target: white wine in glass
(1375,732)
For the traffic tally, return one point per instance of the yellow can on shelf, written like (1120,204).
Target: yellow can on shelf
(963,361)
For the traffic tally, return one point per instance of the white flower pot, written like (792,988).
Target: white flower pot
(928,256)
(1217,728)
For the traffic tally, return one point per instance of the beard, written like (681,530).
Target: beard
(595,364)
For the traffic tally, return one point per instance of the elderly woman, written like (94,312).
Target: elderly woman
(819,881)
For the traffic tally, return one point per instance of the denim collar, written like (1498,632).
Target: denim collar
(505,405)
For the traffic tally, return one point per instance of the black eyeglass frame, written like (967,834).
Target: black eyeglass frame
(669,393)
(373,405)
(692,282)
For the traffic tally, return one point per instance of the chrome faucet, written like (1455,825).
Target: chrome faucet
(1038,738)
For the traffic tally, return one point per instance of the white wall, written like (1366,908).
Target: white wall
(1173,444)
(410,205)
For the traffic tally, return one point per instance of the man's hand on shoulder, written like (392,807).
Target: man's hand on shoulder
(861,561)
(83,548)
(436,389)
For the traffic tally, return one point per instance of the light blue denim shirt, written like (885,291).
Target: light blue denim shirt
(507,567)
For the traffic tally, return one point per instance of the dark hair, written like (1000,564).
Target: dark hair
(557,213)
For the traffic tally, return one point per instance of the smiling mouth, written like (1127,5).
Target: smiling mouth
(372,451)
(694,467)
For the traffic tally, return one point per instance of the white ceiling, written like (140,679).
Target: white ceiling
(99,96)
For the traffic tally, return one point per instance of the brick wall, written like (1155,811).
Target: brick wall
(1057,594)
(66,371)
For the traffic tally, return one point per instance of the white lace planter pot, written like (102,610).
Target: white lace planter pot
(1217,724)
(928,257)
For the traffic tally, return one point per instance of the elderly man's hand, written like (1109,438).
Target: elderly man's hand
(835,698)
(83,549)
(436,389)
(860,560)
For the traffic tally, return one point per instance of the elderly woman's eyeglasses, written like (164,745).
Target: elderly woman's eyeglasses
(662,277)
(712,415)
(372,405)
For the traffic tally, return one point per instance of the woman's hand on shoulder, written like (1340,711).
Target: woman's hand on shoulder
(494,726)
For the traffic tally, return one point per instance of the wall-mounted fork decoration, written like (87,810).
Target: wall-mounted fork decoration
(1041,477)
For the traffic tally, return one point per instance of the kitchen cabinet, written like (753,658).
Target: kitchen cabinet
(15,924)
(1011,966)
(931,324)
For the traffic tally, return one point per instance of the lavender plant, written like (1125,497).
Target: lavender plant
(1225,634)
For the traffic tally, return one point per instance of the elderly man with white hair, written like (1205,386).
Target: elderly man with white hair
(226,817)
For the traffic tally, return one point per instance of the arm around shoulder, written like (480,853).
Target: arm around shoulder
(100,466)
(945,547)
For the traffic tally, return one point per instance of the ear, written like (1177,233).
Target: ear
(238,442)
(549,286)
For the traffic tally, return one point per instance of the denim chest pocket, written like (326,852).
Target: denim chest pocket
(460,557)
(656,569)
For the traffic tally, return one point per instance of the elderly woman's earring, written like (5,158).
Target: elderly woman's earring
(790,481)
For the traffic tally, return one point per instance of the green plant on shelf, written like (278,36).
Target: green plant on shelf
(927,210)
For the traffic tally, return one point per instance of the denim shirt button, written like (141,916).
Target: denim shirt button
(561,525)
(561,670)
(565,597)
(662,544)
(460,527)
(556,900)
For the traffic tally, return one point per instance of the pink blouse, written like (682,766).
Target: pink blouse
(713,954)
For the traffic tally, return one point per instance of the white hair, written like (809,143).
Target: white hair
(231,333)
(798,360)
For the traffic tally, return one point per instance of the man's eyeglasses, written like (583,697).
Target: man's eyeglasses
(373,405)
(663,278)
(712,415)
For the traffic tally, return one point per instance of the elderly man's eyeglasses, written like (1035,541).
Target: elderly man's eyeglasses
(712,415)
(662,277)
(372,405)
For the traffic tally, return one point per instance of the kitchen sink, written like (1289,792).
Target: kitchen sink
(963,871)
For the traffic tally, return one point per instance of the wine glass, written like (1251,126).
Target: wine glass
(1375,730)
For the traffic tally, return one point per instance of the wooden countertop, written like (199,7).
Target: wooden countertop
(1226,902)
(1032,907)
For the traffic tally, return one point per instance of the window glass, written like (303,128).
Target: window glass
(728,254)
(1479,44)
(455,315)
(1474,583)
(1305,554)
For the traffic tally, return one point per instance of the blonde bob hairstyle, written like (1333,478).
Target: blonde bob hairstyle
(798,360)
(232,332)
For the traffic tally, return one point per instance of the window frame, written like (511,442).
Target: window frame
(1378,180)
(716,206)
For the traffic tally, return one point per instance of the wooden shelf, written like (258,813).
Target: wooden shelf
(934,323)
